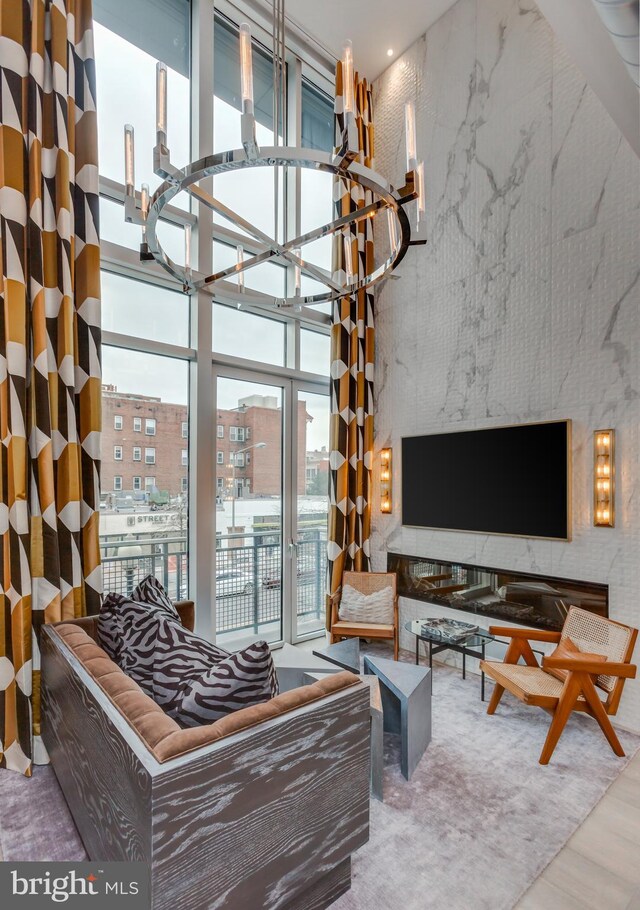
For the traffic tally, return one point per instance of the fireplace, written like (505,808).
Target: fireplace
(540,601)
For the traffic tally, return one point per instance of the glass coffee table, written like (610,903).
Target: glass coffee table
(473,646)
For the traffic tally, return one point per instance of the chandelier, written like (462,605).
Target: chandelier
(145,210)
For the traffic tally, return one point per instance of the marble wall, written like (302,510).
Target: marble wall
(525,305)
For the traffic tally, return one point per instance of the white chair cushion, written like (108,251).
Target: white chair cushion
(366,608)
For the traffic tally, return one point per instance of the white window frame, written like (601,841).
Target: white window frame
(117,421)
(150,455)
(149,482)
(184,484)
(150,426)
(137,483)
(220,457)
(117,482)
(303,60)
(137,453)
(117,453)
(239,460)
(185,429)
(137,424)
(220,431)
(185,458)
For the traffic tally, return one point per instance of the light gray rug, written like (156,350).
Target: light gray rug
(474,828)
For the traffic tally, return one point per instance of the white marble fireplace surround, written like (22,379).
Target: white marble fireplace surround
(525,305)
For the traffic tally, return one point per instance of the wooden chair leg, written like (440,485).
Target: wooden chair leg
(598,711)
(396,645)
(566,702)
(494,701)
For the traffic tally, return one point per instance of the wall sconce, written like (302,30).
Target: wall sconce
(603,479)
(385,481)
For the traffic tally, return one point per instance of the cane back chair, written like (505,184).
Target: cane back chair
(583,675)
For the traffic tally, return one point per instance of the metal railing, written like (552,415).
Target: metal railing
(248,574)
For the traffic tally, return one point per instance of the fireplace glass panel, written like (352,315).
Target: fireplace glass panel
(530,600)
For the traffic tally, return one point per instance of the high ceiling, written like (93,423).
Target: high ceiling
(374,26)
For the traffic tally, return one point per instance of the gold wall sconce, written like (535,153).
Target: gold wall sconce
(603,479)
(386,502)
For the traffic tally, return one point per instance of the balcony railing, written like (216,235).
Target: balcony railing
(248,575)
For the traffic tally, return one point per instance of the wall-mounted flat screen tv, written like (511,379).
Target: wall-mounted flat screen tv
(504,480)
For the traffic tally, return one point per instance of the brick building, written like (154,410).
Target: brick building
(239,434)
(145,445)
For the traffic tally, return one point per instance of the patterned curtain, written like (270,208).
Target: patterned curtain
(352,353)
(49,346)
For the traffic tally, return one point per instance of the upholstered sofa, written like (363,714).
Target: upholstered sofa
(261,809)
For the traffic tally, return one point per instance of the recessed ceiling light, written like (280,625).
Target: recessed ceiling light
(390,52)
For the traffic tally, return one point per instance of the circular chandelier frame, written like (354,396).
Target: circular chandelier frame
(281,156)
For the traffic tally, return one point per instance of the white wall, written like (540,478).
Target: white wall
(525,304)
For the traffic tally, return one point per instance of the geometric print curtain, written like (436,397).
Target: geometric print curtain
(352,359)
(49,346)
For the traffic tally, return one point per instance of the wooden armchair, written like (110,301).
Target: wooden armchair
(537,685)
(366,583)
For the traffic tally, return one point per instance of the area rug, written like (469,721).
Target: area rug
(475,826)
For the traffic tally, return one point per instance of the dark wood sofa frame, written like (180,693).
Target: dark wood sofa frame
(265,818)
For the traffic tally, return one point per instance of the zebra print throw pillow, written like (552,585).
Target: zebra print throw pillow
(127,631)
(179,656)
(193,680)
(245,678)
(152,647)
(150,591)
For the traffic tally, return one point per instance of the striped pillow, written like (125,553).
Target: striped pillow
(179,656)
(127,631)
(245,678)
(193,680)
(150,591)
(152,647)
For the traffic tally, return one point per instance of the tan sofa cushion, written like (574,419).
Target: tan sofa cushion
(162,735)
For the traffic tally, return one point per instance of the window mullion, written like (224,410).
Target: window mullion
(201,389)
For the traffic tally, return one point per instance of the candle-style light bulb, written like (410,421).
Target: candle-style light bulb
(410,134)
(297,273)
(187,248)
(129,165)
(348,260)
(347,78)
(239,262)
(144,209)
(420,190)
(161,103)
(246,69)
(144,200)
(393,230)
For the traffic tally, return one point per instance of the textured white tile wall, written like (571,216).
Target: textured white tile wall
(526,302)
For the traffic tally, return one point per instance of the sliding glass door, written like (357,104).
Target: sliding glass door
(249,510)
(271,507)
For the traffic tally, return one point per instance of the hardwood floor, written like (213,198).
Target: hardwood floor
(599,867)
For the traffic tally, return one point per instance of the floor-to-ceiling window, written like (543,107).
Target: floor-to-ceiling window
(215,426)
